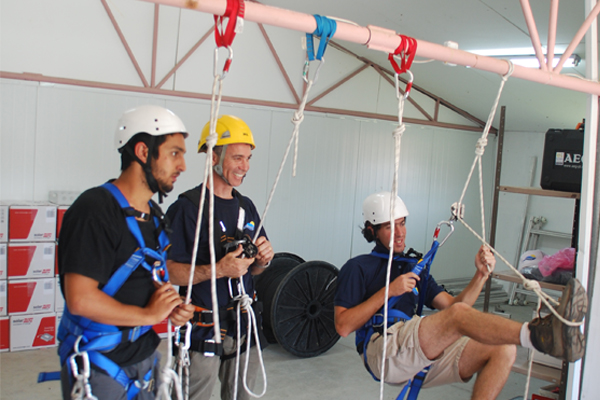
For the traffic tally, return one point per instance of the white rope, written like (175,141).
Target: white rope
(297,119)
(169,378)
(245,302)
(531,285)
(398,132)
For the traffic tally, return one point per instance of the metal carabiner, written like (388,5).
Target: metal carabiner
(408,85)
(306,70)
(436,233)
(158,273)
(225,66)
(239,289)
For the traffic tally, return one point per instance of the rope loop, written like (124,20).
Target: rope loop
(511,69)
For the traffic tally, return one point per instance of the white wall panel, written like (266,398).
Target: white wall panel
(77,41)
(316,215)
(18,110)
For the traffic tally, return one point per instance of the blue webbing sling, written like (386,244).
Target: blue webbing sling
(96,337)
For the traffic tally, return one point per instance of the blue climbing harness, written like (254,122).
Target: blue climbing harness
(79,335)
(376,323)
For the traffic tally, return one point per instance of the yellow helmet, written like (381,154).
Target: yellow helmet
(230,130)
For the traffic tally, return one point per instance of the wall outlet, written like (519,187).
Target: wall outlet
(63,198)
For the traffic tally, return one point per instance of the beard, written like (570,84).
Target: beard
(162,179)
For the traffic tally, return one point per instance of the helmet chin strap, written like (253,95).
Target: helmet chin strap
(219,167)
(147,168)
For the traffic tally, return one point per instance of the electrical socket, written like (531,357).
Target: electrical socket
(62,197)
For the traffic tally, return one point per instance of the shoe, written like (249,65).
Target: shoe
(550,336)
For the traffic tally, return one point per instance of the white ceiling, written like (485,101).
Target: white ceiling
(474,25)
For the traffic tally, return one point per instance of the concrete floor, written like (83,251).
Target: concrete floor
(336,374)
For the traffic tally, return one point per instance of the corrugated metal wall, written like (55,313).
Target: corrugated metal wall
(61,138)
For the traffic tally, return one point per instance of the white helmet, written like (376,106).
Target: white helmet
(376,208)
(153,120)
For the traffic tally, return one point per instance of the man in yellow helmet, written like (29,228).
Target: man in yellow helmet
(235,221)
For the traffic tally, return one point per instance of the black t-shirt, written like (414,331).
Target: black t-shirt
(94,242)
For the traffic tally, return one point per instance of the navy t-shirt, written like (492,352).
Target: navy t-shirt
(183,215)
(363,276)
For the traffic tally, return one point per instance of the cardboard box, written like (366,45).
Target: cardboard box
(31,296)
(60,213)
(32,331)
(4,334)
(31,260)
(3,297)
(32,222)
(59,300)
(162,328)
(3,250)
(3,223)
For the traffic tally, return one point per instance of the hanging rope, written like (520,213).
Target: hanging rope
(325,29)
(223,38)
(458,212)
(458,208)
(406,50)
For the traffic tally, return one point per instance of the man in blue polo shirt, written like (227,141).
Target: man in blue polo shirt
(458,341)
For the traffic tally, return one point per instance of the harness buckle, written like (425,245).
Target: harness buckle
(210,353)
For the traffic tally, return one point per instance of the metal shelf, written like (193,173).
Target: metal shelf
(511,276)
(539,192)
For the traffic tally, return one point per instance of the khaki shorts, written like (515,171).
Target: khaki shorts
(404,357)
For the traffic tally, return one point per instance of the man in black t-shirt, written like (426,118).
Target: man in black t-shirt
(235,220)
(111,253)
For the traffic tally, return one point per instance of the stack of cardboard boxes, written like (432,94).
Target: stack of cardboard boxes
(31,302)
(31,276)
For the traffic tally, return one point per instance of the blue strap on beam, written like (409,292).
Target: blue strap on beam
(325,30)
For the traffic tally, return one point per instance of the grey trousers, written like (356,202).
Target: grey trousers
(106,388)
(205,370)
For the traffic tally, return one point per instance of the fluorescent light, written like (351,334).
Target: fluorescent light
(524,56)
(533,62)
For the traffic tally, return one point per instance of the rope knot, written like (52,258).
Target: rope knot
(480,147)
(532,285)
(297,118)
(245,301)
(211,140)
(399,131)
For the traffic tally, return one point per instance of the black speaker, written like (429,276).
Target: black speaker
(562,162)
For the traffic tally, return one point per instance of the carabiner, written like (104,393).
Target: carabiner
(225,66)
(408,85)
(239,289)
(159,273)
(306,70)
(437,231)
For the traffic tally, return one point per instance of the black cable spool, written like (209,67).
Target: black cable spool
(298,304)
